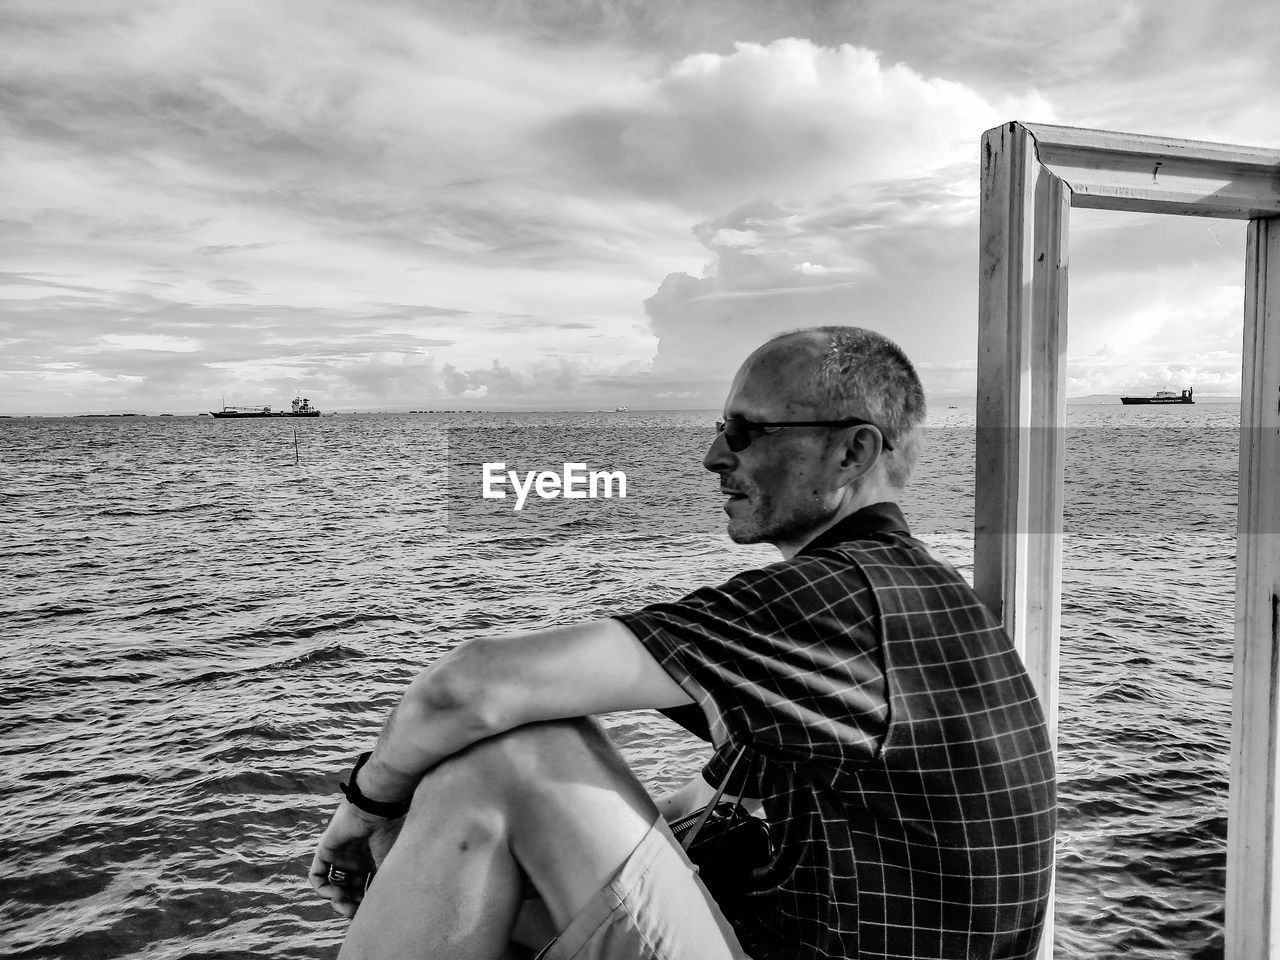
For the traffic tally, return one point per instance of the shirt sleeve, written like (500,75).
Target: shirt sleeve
(786,658)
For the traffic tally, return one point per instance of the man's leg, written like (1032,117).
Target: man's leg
(553,802)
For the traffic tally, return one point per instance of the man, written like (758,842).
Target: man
(898,749)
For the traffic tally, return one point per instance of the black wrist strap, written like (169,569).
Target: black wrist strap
(389,809)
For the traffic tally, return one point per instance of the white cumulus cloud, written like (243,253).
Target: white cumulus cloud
(783,120)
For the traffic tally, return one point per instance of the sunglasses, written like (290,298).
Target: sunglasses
(739,431)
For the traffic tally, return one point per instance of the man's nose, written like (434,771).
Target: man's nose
(719,458)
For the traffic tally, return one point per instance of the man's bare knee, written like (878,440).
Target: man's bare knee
(449,811)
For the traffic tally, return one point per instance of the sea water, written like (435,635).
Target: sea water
(202,622)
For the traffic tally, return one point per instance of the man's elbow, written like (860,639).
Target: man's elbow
(457,688)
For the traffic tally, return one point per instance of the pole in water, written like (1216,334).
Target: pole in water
(295,446)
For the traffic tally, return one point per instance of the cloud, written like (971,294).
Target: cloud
(1044,43)
(110,350)
(895,256)
(300,188)
(1155,301)
(407,379)
(788,120)
(872,219)
(1212,372)
(321,166)
(149,342)
(835,188)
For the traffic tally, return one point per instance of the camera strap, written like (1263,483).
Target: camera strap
(706,812)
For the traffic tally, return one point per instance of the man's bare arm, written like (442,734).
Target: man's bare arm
(487,686)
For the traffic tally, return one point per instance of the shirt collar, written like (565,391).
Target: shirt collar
(883,517)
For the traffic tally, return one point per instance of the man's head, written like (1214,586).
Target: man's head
(788,484)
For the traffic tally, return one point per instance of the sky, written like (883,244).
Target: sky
(577,204)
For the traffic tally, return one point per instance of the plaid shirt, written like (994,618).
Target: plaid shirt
(899,749)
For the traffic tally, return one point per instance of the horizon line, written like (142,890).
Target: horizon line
(952,399)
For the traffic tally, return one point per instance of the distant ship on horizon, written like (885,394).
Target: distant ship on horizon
(301,408)
(1162,396)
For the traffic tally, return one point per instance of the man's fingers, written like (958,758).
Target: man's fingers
(342,886)
(318,876)
(342,901)
(342,898)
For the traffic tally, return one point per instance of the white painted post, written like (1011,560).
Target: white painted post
(1021,362)
(1253,844)
(1020,411)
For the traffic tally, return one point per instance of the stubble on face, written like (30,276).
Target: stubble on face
(776,476)
(779,505)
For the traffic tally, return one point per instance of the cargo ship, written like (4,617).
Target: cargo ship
(1162,396)
(301,408)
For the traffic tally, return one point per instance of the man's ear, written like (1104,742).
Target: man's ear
(858,448)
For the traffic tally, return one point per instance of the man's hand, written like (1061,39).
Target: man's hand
(347,855)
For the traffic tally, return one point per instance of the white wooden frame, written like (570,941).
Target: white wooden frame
(1032,174)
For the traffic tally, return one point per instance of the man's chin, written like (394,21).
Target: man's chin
(742,532)
(747,528)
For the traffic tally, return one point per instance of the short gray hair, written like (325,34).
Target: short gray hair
(864,374)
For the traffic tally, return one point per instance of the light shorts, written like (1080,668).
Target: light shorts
(654,908)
